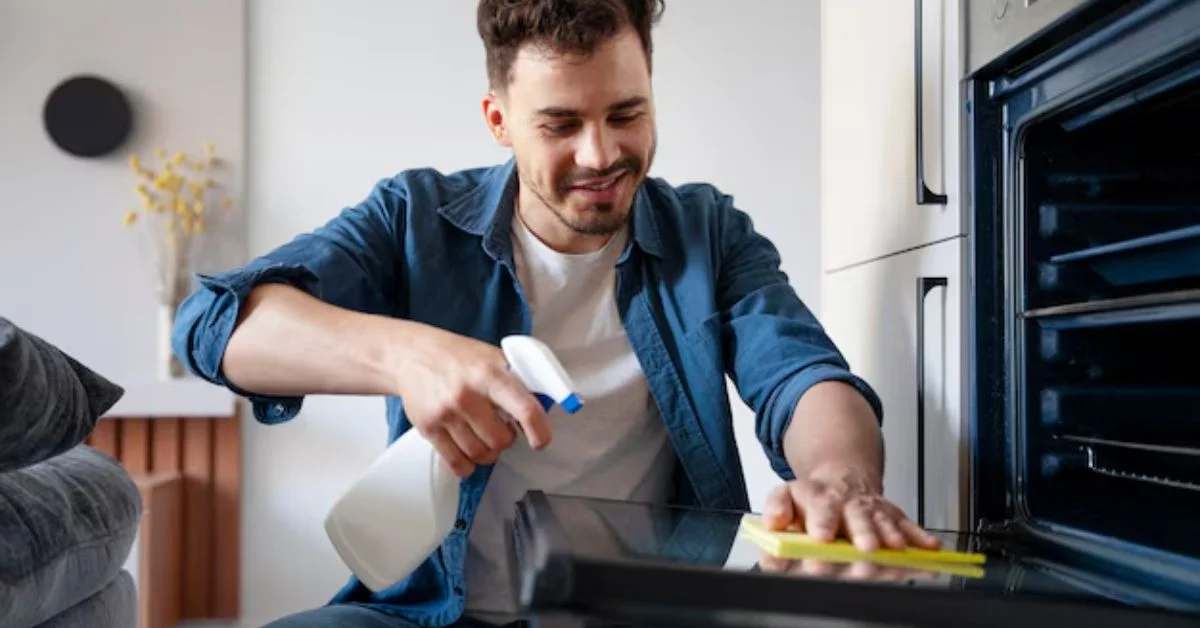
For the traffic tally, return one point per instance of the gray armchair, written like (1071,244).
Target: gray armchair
(68,513)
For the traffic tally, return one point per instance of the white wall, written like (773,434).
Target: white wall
(69,270)
(341,94)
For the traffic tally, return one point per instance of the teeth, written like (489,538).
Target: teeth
(603,186)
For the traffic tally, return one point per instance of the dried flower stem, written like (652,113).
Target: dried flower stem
(178,202)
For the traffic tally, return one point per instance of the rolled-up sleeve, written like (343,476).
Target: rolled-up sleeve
(775,347)
(351,261)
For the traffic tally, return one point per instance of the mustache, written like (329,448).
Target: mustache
(631,164)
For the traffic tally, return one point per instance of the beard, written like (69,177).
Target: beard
(591,219)
(595,219)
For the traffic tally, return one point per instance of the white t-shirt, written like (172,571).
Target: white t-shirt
(615,447)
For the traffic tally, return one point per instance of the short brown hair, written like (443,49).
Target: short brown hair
(562,26)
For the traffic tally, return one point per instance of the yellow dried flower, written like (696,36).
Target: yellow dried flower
(175,191)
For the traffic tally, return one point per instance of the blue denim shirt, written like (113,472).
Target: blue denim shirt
(700,293)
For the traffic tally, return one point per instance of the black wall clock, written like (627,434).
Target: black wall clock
(87,116)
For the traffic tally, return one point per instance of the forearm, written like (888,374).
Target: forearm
(287,342)
(834,428)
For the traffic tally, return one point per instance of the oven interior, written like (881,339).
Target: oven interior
(1108,317)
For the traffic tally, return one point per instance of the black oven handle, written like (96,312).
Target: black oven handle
(925,196)
(924,286)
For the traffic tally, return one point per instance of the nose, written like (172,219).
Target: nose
(597,148)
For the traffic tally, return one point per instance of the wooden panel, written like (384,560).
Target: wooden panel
(197,508)
(160,550)
(166,447)
(135,445)
(206,454)
(106,438)
(227,517)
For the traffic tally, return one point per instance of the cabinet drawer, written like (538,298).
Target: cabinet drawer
(898,322)
(870,125)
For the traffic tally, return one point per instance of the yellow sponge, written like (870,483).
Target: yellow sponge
(790,545)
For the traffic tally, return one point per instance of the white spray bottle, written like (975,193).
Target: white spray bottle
(395,516)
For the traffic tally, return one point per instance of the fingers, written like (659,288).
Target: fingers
(513,398)
(865,570)
(860,524)
(780,510)
(868,521)
(770,563)
(450,452)
(918,536)
(889,532)
(822,510)
(489,428)
(469,443)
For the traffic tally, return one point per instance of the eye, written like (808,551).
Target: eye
(560,128)
(625,118)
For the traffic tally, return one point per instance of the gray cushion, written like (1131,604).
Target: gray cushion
(49,402)
(115,606)
(66,527)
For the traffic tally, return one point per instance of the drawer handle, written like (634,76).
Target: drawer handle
(925,196)
(924,286)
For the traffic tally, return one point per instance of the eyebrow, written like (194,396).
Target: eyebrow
(563,112)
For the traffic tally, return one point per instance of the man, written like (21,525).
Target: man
(649,293)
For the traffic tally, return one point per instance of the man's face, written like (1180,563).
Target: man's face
(582,133)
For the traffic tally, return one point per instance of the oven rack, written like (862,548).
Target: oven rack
(1093,449)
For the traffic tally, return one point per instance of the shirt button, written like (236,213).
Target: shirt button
(460,524)
(458,591)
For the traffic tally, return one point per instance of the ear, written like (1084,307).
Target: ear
(493,115)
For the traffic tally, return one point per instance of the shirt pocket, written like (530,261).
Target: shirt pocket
(704,361)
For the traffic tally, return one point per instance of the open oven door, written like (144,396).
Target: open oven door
(585,562)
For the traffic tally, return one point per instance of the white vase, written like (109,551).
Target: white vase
(169,366)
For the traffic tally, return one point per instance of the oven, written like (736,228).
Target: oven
(1082,139)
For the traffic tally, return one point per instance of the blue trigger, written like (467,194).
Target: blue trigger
(546,402)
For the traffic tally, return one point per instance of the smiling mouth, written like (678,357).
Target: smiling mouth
(599,185)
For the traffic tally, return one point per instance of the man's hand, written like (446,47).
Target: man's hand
(454,389)
(847,503)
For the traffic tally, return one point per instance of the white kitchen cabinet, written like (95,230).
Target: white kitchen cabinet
(869,151)
(872,312)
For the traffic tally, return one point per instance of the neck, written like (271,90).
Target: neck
(547,227)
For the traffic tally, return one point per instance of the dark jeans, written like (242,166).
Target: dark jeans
(348,616)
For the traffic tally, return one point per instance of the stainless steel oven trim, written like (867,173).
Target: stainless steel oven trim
(994,27)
